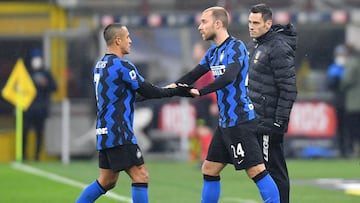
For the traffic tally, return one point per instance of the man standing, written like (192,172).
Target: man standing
(116,82)
(272,88)
(35,117)
(235,139)
(335,75)
(350,85)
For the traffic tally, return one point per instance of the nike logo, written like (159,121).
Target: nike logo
(239,162)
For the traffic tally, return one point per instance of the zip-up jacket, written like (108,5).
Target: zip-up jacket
(272,74)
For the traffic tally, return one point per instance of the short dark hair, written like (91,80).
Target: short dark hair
(264,9)
(111,31)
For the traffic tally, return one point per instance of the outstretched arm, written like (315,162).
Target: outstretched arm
(150,91)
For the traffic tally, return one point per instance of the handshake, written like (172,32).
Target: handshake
(184,89)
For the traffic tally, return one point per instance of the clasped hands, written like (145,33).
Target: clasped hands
(193,91)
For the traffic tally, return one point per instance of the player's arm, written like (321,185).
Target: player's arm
(285,78)
(193,75)
(232,71)
(150,91)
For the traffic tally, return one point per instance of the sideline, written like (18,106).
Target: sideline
(237,200)
(64,180)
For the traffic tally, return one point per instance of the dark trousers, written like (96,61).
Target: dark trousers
(37,123)
(274,159)
(353,127)
(343,135)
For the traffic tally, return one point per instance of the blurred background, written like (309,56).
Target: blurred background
(69,34)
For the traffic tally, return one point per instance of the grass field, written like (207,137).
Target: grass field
(312,181)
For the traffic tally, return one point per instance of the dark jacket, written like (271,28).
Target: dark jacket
(272,74)
(45,85)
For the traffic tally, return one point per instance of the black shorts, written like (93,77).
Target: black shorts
(120,158)
(236,145)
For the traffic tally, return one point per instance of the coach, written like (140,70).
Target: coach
(272,88)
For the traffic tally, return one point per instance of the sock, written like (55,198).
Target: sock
(140,192)
(91,193)
(267,187)
(211,189)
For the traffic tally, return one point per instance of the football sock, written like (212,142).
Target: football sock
(211,189)
(267,187)
(139,192)
(91,193)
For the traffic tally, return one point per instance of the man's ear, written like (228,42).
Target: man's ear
(218,24)
(118,40)
(268,24)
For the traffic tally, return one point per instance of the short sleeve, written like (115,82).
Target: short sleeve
(130,75)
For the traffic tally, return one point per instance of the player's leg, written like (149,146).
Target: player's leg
(276,164)
(211,186)
(265,183)
(107,178)
(211,168)
(106,181)
(246,154)
(139,187)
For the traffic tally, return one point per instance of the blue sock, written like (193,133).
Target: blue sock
(267,187)
(140,192)
(91,193)
(211,189)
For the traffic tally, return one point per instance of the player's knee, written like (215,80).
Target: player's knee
(255,170)
(108,184)
(141,176)
(212,169)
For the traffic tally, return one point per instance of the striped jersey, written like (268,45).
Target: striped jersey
(116,81)
(234,104)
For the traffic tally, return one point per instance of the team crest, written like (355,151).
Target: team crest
(138,153)
(257,56)
(222,55)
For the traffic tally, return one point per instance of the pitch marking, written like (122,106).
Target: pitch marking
(237,200)
(61,179)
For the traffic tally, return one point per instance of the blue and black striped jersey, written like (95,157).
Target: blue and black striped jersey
(234,104)
(116,81)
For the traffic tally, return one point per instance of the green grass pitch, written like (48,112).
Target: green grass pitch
(312,181)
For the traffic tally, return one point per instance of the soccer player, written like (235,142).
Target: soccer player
(235,139)
(116,82)
(272,88)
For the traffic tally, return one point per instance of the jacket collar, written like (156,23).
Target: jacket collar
(264,37)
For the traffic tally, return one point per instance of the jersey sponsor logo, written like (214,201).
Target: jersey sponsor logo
(218,70)
(101,131)
(266,147)
(101,64)
(132,74)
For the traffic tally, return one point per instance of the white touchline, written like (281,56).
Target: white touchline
(237,200)
(61,179)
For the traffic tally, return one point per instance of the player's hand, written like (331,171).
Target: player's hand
(194,92)
(172,85)
(184,90)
